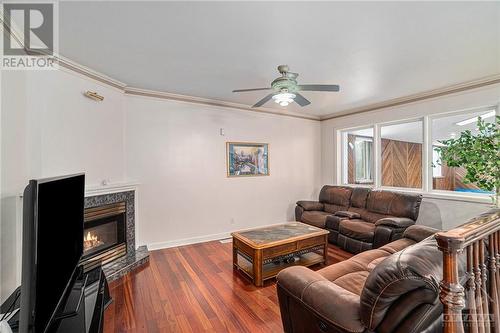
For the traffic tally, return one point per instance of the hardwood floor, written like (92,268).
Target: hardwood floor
(194,289)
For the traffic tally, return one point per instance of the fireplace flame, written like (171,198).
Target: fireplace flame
(90,241)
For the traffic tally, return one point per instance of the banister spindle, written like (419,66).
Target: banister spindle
(479,286)
(494,287)
(471,292)
(484,289)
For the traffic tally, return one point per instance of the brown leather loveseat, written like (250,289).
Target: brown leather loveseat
(360,219)
(394,289)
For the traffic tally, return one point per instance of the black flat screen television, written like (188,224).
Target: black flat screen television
(52,247)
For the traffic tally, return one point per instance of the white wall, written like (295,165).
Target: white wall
(441,213)
(13,170)
(176,152)
(49,128)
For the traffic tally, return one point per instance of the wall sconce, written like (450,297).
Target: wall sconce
(93,95)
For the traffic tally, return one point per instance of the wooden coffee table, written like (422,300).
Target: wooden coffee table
(261,253)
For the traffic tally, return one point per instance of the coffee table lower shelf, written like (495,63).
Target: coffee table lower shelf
(270,270)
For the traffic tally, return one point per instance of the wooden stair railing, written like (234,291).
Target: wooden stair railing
(472,306)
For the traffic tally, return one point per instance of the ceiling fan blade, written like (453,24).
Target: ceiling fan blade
(301,100)
(318,87)
(263,101)
(254,89)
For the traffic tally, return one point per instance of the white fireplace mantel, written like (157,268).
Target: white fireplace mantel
(93,190)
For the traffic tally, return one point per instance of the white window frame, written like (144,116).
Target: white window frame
(427,180)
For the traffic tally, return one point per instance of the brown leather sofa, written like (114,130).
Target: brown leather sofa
(360,219)
(394,289)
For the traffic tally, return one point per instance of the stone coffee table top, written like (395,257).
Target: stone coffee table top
(280,233)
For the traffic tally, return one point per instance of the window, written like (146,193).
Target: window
(358,151)
(448,127)
(401,154)
(436,164)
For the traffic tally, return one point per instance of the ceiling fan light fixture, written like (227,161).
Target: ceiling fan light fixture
(284,98)
(284,87)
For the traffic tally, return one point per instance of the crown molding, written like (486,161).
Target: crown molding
(439,92)
(213,102)
(89,73)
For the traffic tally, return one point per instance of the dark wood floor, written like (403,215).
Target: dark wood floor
(194,289)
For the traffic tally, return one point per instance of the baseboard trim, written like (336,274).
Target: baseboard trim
(202,239)
(188,241)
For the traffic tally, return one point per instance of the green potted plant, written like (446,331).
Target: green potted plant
(479,154)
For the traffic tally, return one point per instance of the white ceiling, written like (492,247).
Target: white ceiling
(375,50)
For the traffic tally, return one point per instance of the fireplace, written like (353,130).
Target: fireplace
(104,234)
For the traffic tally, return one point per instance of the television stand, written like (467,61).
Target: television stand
(81,314)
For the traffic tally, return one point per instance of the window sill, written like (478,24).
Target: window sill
(476,198)
(441,195)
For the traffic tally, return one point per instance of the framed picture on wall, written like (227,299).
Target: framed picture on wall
(246,159)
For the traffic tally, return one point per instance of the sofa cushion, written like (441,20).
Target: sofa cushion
(310,205)
(336,195)
(315,217)
(348,214)
(359,196)
(336,304)
(394,204)
(406,205)
(366,215)
(362,263)
(357,229)
(333,208)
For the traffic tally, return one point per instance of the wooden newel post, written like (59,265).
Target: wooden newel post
(479,238)
(452,292)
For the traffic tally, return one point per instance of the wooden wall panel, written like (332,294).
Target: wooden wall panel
(387,175)
(401,164)
(414,174)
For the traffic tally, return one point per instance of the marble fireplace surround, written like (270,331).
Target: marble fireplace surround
(109,194)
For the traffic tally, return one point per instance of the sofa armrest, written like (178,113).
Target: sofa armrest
(395,222)
(296,279)
(419,232)
(334,304)
(298,213)
(332,222)
(349,215)
(310,205)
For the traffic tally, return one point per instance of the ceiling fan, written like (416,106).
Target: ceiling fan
(286,89)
